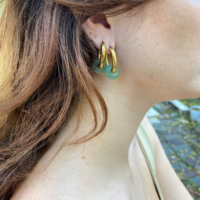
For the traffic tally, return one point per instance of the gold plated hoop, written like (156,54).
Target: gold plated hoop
(102,54)
(114,59)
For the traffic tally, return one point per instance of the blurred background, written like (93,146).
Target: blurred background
(177,124)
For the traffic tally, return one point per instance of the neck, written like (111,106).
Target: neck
(126,109)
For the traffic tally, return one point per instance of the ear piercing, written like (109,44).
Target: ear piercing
(101,64)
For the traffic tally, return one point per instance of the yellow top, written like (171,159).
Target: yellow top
(149,154)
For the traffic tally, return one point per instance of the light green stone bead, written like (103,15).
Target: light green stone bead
(109,74)
(96,68)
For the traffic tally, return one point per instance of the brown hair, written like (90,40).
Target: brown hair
(45,59)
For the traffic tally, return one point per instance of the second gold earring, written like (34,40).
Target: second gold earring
(99,64)
(112,70)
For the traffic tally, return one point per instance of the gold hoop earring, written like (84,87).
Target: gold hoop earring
(99,64)
(112,70)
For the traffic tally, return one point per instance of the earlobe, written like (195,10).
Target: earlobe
(98,29)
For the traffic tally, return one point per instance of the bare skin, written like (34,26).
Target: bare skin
(158,54)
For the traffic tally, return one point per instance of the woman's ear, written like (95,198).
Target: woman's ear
(98,29)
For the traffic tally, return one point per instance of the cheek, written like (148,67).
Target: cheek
(168,48)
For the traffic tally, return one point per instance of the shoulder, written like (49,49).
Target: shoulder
(150,132)
(49,180)
(37,189)
(168,181)
(29,190)
(36,186)
(160,155)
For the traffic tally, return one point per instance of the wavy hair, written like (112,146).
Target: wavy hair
(45,69)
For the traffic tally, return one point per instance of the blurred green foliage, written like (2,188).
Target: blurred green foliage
(191,102)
